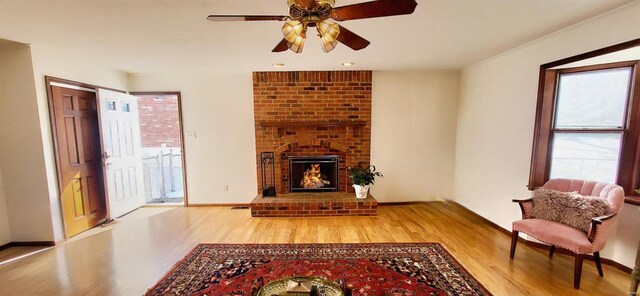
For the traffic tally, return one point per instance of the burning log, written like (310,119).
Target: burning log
(313,178)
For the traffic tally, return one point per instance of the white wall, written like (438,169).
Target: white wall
(5,228)
(413,134)
(496,122)
(219,109)
(22,157)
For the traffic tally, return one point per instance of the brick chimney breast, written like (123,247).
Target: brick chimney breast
(312,113)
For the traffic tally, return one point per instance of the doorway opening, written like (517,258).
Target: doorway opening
(106,146)
(162,147)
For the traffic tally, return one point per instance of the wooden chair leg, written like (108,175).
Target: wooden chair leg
(634,284)
(636,276)
(596,257)
(553,250)
(577,271)
(514,242)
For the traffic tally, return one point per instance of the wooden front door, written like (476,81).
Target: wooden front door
(78,146)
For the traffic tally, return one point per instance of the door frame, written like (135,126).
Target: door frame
(54,134)
(184,154)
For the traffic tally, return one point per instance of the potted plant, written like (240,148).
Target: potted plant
(363,177)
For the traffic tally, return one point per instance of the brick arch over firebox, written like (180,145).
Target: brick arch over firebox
(314,143)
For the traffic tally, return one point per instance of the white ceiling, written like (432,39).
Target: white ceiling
(156,36)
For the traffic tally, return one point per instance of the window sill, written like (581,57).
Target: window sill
(632,200)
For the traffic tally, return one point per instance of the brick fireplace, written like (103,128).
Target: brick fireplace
(300,114)
(318,115)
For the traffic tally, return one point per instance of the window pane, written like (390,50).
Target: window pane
(586,156)
(593,99)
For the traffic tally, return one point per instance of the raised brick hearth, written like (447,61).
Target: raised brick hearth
(313,205)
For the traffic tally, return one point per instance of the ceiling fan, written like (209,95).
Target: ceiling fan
(318,13)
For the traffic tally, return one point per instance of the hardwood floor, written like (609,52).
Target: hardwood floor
(12,253)
(142,213)
(130,258)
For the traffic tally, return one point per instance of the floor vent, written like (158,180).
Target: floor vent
(240,208)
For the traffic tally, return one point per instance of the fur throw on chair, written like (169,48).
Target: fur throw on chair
(569,208)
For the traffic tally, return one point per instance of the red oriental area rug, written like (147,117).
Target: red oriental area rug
(365,269)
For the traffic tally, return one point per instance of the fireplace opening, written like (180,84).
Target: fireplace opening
(313,174)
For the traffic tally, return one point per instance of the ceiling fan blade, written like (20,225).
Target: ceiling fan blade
(373,9)
(351,39)
(248,18)
(282,46)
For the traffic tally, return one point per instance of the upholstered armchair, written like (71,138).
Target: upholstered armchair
(562,236)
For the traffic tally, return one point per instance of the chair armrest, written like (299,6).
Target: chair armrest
(522,200)
(524,206)
(598,220)
(596,225)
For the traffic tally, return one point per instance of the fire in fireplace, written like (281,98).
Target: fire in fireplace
(312,174)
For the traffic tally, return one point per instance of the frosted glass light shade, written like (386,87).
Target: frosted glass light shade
(297,45)
(328,30)
(328,46)
(292,30)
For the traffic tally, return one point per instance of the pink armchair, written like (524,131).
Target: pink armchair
(562,236)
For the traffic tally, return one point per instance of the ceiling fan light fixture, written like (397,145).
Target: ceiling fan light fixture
(329,46)
(292,29)
(328,30)
(298,44)
(323,15)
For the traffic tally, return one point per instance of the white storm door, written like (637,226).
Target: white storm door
(122,151)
